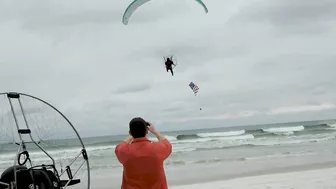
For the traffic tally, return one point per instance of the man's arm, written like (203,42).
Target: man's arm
(128,139)
(163,147)
(159,136)
(121,149)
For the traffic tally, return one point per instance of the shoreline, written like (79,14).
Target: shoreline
(258,179)
(304,178)
(262,173)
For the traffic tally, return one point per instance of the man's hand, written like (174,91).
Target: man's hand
(152,129)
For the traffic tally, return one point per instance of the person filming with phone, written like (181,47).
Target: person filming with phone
(143,159)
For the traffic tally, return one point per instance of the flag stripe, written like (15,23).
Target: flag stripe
(194,87)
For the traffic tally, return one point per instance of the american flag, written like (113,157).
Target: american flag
(194,87)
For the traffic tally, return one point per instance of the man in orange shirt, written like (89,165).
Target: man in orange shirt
(143,159)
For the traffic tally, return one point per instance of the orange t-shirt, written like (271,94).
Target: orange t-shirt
(143,163)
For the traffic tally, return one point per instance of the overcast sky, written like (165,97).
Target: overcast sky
(255,61)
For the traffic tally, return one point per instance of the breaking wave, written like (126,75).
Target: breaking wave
(269,136)
(98,148)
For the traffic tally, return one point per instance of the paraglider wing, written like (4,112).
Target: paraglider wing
(137,3)
(203,5)
(131,8)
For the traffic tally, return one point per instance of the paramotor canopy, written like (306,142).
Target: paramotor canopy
(137,3)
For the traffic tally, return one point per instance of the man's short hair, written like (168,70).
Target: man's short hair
(138,127)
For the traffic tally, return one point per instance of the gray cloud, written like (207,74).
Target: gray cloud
(294,17)
(295,12)
(133,88)
(246,56)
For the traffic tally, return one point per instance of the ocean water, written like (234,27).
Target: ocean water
(204,155)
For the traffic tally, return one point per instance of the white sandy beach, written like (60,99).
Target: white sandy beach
(312,179)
